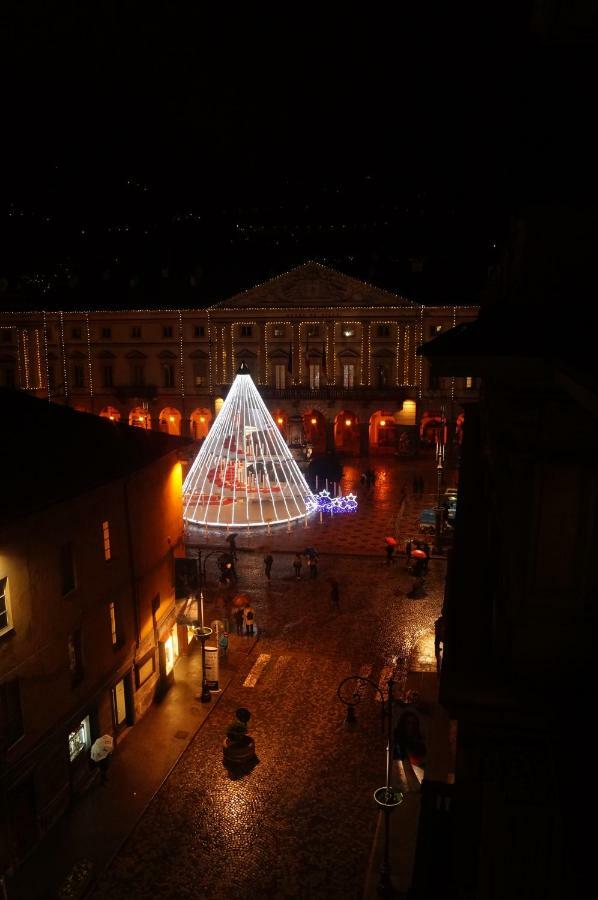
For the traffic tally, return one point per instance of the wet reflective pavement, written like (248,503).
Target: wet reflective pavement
(301,823)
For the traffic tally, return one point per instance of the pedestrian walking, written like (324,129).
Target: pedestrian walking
(428,552)
(231,541)
(223,642)
(249,619)
(312,566)
(297,565)
(238,617)
(268,560)
(408,548)
(335,597)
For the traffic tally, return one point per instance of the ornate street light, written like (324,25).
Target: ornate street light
(351,692)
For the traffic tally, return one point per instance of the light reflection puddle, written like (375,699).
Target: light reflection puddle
(257,670)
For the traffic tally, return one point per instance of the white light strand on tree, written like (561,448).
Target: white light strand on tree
(245,475)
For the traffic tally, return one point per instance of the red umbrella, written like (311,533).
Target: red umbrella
(241,600)
(418,554)
(391,541)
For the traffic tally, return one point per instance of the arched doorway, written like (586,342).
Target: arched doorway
(383,430)
(346,431)
(430,427)
(170,420)
(281,419)
(140,418)
(110,412)
(314,427)
(200,421)
(459,427)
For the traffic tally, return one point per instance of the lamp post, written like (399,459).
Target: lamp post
(439,511)
(202,632)
(351,692)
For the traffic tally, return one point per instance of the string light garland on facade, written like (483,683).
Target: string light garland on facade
(232,338)
(274,324)
(375,322)
(63,351)
(304,368)
(25,345)
(89,356)
(40,382)
(48,385)
(421,359)
(182,359)
(406,355)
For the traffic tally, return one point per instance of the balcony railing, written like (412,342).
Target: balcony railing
(125,392)
(327,392)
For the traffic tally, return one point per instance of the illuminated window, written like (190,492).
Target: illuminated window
(280,374)
(106,333)
(279,331)
(4,616)
(383,330)
(469,382)
(106,536)
(314,376)
(67,568)
(435,329)
(246,330)
(79,740)
(348,332)
(348,375)
(167,331)
(113,625)
(145,669)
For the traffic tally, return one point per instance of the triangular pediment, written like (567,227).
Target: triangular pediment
(77,354)
(312,285)
(166,354)
(278,353)
(348,354)
(199,354)
(106,354)
(382,351)
(136,354)
(245,354)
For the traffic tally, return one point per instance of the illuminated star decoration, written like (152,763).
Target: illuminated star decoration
(245,475)
(325,503)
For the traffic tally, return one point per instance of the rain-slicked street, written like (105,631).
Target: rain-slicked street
(301,823)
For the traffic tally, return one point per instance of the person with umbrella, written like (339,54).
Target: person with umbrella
(231,541)
(390,549)
(101,754)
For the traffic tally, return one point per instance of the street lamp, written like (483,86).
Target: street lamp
(439,511)
(351,692)
(202,632)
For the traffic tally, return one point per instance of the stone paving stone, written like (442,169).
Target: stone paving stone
(301,823)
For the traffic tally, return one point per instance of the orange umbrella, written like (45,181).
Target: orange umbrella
(419,554)
(391,541)
(241,600)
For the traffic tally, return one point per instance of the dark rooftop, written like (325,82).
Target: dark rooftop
(50,453)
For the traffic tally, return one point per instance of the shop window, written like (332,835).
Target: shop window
(79,739)
(106,539)
(67,568)
(4,611)
(11,714)
(145,669)
(119,703)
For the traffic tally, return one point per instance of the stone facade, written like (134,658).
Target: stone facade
(325,349)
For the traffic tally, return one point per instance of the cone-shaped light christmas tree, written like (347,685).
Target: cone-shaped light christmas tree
(244,474)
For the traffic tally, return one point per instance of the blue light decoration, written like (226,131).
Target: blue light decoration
(323,502)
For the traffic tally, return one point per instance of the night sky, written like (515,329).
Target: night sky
(183,158)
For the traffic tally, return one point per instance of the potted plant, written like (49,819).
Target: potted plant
(239,747)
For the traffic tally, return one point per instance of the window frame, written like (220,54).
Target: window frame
(246,331)
(5,606)
(113,623)
(106,334)
(199,331)
(84,726)
(106,540)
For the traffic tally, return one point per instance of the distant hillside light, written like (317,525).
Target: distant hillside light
(244,474)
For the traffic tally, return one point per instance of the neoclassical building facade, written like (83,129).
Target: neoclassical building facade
(334,358)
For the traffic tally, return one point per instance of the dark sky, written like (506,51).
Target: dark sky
(116,116)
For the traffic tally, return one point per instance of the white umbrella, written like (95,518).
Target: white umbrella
(102,748)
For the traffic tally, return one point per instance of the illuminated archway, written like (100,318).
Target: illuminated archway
(382,430)
(140,418)
(346,431)
(314,427)
(170,420)
(282,421)
(200,421)
(110,412)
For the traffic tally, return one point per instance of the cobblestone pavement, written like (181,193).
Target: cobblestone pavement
(301,823)
(379,512)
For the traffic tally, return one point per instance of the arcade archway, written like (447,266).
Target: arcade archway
(110,412)
(170,420)
(200,421)
(314,427)
(140,418)
(346,431)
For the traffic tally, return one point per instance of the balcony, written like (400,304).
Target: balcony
(327,392)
